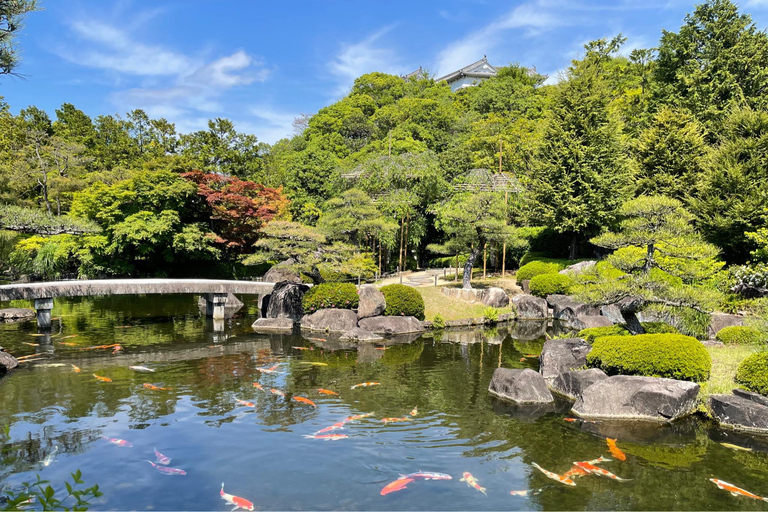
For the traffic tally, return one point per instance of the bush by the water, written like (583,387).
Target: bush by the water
(536,268)
(590,334)
(753,373)
(739,335)
(331,295)
(674,356)
(658,328)
(438,322)
(403,300)
(547,284)
(491,314)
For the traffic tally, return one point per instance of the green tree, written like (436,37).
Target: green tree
(353,217)
(12,13)
(223,149)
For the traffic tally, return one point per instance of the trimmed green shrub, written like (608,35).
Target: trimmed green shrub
(438,322)
(536,268)
(674,356)
(753,373)
(330,295)
(590,334)
(739,335)
(547,284)
(491,314)
(403,300)
(658,328)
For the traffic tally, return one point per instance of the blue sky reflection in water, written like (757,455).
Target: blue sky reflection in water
(260,452)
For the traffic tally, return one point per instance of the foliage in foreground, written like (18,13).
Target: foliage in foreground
(40,491)
(753,373)
(658,328)
(403,300)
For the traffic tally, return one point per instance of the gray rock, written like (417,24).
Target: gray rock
(578,268)
(272,325)
(493,297)
(558,356)
(739,412)
(555,299)
(264,304)
(719,321)
(528,306)
(16,313)
(572,384)
(633,324)
(372,302)
(630,304)
(282,272)
(359,334)
(7,362)
(613,313)
(632,397)
(749,395)
(331,320)
(585,322)
(568,309)
(285,301)
(390,325)
(523,386)
(525,284)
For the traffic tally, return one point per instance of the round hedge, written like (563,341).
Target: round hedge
(536,268)
(753,373)
(590,334)
(658,328)
(330,295)
(547,284)
(674,356)
(403,300)
(739,335)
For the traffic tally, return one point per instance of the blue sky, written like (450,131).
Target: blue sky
(262,63)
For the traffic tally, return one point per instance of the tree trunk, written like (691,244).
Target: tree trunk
(467,284)
(405,247)
(315,275)
(574,246)
(402,232)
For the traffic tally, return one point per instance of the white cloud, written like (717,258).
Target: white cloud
(270,124)
(363,57)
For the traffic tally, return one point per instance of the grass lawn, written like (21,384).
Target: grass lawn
(725,361)
(451,309)
(508,284)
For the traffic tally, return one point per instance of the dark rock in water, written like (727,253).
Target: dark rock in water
(272,325)
(528,306)
(632,397)
(571,384)
(528,329)
(719,321)
(568,309)
(282,272)
(753,397)
(7,362)
(285,301)
(264,305)
(493,297)
(526,413)
(613,313)
(389,325)
(563,355)
(331,320)
(372,302)
(739,412)
(585,322)
(359,334)
(523,386)
(16,314)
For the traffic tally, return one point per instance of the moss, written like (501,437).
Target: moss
(590,334)
(658,328)
(330,295)
(655,355)
(547,284)
(403,300)
(536,268)
(740,335)
(753,373)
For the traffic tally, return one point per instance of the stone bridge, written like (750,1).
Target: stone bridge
(214,290)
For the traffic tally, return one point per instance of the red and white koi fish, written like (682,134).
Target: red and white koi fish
(103,379)
(301,348)
(117,349)
(591,468)
(237,501)
(167,471)
(427,475)
(394,420)
(76,369)
(336,426)
(303,400)
(246,404)
(527,492)
(258,386)
(397,485)
(365,385)
(328,437)
(735,491)
(268,370)
(327,392)
(554,476)
(141,369)
(162,459)
(615,449)
(472,482)
(414,411)
(574,472)
(276,392)
(598,460)
(358,417)
(118,442)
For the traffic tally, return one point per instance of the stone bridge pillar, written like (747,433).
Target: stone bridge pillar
(215,304)
(43,308)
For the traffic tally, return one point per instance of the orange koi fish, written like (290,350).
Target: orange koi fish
(575,471)
(327,392)
(597,460)
(414,411)
(96,347)
(300,348)
(303,400)
(615,449)
(27,357)
(571,420)
(70,336)
(246,404)
(67,344)
(147,385)
(30,344)
(522,359)
(103,379)
(472,482)
(77,370)
(554,476)
(328,437)
(358,417)
(118,442)
(258,386)
(237,501)
(591,468)
(394,420)
(381,348)
(397,485)
(365,385)
(335,426)
(276,392)
(268,370)
(735,491)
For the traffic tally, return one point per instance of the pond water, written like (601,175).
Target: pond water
(260,451)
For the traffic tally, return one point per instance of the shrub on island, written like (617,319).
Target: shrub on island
(330,295)
(536,268)
(590,334)
(673,356)
(658,328)
(753,373)
(739,335)
(403,300)
(547,284)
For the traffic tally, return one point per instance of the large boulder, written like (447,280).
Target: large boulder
(523,386)
(570,310)
(7,361)
(16,313)
(740,412)
(285,301)
(494,297)
(639,398)
(360,334)
(719,321)
(528,306)
(330,320)
(572,384)
(372,302)
(613,313)
(749,395)
(272,325)
(578,268)
(558,356)
(282,272)
(391,325)
(585,322)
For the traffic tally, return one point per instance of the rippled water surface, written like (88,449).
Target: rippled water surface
(261,453)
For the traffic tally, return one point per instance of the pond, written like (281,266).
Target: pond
(205,413)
